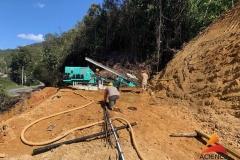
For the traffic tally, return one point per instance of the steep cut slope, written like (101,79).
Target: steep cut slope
(206,74)
(207,71)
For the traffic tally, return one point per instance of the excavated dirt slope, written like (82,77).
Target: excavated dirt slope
(207,70)
(206,73)
(198,90)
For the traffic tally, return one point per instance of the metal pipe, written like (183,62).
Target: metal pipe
(115,135)
(49,147)
(105,67)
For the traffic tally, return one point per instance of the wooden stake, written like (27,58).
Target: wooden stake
(176,134)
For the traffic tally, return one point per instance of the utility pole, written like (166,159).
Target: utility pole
(6,64)
(207,8)
(25,79)
(6,67)
(22,74)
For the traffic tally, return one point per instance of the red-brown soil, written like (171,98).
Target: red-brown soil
(154,124)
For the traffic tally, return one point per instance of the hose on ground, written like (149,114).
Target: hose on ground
(77,128)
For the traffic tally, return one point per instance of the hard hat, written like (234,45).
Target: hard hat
(97,69)
(110,84)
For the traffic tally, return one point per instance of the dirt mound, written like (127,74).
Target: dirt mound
(206,73)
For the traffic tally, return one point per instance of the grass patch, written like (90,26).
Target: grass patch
(7,83)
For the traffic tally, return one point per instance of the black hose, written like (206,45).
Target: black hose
(49,147)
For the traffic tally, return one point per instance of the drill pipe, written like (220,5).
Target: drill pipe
(49,147)
(120,153)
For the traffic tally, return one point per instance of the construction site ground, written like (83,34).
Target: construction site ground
(198,90)
(155,123)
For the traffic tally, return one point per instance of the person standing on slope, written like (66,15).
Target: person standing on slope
(145,77)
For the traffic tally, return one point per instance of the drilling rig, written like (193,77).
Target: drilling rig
(84,78)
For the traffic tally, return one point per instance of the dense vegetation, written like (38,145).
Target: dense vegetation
(140,30)
(6,101)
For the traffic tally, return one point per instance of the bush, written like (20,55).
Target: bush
(6,101)
(32,82)
(8,83)
(46,75)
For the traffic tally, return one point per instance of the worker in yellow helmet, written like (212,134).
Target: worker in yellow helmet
(97,74)
(112,93)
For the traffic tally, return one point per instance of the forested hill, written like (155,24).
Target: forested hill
(140,30)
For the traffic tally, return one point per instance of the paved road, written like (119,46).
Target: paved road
(18,91)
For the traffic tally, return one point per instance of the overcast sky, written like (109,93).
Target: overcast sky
(25,22)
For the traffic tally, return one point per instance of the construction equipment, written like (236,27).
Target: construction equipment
(85,78)
(81,78)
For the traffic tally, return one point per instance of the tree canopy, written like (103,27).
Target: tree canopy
(139,29)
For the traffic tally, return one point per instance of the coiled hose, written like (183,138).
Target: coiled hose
(77,128)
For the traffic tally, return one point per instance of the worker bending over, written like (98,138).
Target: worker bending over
(144,76)
(112,93)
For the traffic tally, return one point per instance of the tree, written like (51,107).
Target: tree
(140,30)
(20,62)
